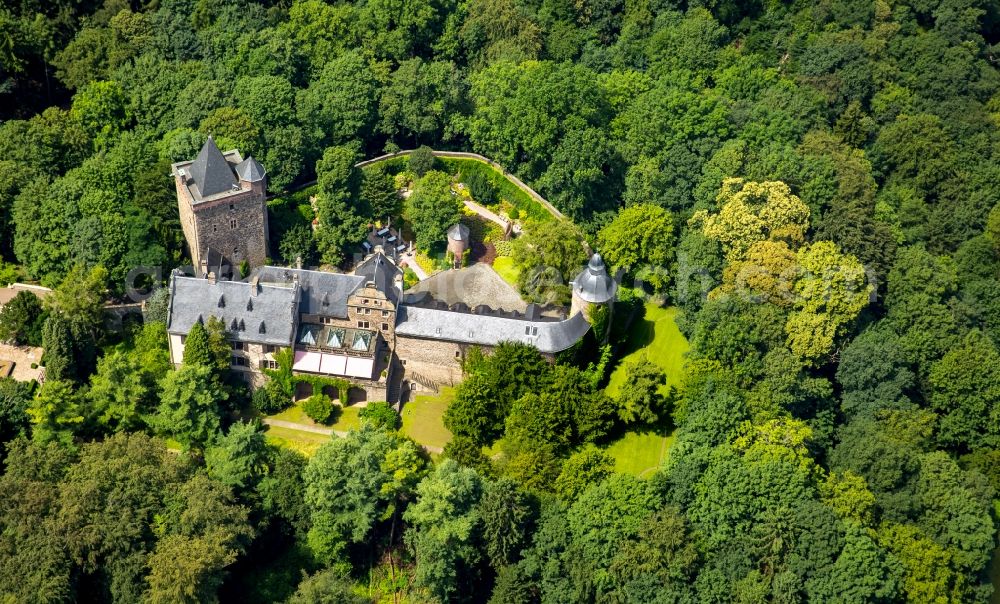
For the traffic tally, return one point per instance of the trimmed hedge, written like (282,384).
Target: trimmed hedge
(506,190)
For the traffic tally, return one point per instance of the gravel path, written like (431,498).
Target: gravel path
(409,259)
(280,423)
(490,215)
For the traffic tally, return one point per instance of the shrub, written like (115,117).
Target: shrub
(319,407)
(270,398)
(410,278)
(481,189)
(422,160)
(503,248)
(380,415)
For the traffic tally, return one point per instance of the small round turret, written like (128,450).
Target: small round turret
(593,285)
(458,241)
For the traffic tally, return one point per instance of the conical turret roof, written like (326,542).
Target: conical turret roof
(250,170)
(211,172)
(594,284)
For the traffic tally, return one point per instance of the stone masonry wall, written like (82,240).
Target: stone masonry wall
(248,239)
(187,220)
(433,360)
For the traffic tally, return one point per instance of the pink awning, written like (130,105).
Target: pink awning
(333,364)
(307,361)
(360,368)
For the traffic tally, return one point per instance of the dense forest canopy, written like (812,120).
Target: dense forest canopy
(822,178)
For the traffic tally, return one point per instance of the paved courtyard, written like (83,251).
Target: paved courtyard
(22,357)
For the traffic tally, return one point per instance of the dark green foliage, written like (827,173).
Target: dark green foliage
(465,451)
(14,400)
(22,319)
(297,245)
(381,415)
(190,402)
(779,485)
(482,190)
(342,221)
(148,517)
(270,398)
(643,400)
(432,209)
(351,482)
(326,587)
(507,516)
(442,531)
(318,407)
(196,348)
(238,459)
(492,385)
(378,190)
(58,343)
(421,161)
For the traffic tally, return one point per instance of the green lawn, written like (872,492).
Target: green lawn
(640,453)
(347,419)
(304,442)
(308,442)
(504,266)
(423,418)
(656,338)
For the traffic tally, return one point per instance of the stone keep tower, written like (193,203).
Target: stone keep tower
(593,287)
(222,199)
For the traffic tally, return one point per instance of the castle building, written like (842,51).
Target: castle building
(222,200)
(360,327)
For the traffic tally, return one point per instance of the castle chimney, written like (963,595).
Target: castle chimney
(211,278)
(298,262)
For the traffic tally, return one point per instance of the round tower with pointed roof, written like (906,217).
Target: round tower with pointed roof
(593,287)
(458,241)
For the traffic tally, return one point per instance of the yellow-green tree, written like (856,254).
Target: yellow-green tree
(829,294)
(767,272)
(754,211)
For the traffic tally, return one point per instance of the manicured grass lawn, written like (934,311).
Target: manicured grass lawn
(304,442)
(640,453)
(656,338)
(347,420)
(423,418)
(504,266)
(293,414)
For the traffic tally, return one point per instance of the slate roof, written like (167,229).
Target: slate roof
(594,284)
(474,286)
(488,330)
(322,293)
(250,170)
(383,271)
(211,172)
(269,317)
(458,232)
